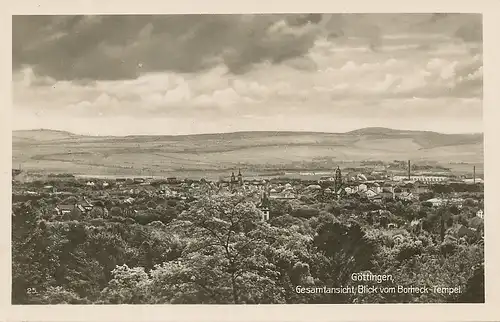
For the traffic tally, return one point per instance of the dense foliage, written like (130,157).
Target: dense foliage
(216,249)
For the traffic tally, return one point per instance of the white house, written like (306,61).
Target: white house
(370,193)
(406,196)
(350,190)
(362,187)
(480,213)
(436,202)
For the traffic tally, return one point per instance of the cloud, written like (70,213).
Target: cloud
(260,67)
(127,46)
(121,47)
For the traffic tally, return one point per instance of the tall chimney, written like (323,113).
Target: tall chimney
(474,175)
(409,170)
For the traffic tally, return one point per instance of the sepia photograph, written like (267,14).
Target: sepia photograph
(313,158)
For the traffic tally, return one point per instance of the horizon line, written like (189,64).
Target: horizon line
(251,131)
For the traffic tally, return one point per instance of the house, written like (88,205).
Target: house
(129,200)
(86,205)
(362,187)
(172,180)
(361,177)
(421,188)
(407,196)
(350,190)
(283,195)
(480,213)
(376,187)
(139,180)
(370,193)
(377,199)
(69,209)
(436,202)
(120,181)
(326,179)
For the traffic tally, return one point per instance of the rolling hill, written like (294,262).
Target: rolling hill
(57,151)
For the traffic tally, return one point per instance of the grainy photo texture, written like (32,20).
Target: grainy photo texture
(247,159)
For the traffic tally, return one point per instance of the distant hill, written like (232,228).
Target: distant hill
(41,135)
(58,151)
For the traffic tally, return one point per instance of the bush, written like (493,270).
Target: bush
(408,249)
(305,212)
(448,247)
(130,221)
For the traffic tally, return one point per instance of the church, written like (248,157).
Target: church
(236,182)
(338,183)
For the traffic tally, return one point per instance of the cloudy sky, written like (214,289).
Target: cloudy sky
(179,74)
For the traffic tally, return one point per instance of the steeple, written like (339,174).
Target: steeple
(240,177)
(264,206)
(338,179)
(265,200)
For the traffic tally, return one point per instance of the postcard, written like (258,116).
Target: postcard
(256,161)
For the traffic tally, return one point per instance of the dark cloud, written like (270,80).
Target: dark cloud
(124,46)
(117,47)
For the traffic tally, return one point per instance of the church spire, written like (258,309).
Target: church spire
(240,177)
(338,179)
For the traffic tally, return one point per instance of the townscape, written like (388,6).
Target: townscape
(406,223)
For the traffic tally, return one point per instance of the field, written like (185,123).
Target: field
(256,152)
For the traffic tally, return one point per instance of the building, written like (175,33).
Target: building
(265,207)
(232,182)
(370,193)
(338,183)
(436,202)
(480,213)
(422,179)
(420,187)
(387,193)
(362,188)
(240,178)
(69,209)
(407,196)
(86,205)
(172,180)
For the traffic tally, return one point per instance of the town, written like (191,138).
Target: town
(413,215)
(78,197)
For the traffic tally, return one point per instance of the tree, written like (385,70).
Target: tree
(474,290)
(128,286)
(230,256)
(344,249)
(224,244)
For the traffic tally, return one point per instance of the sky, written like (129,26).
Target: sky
(187,74)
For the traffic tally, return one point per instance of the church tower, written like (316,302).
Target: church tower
(338,180)
(232,183)
(240,178)
(265,206)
